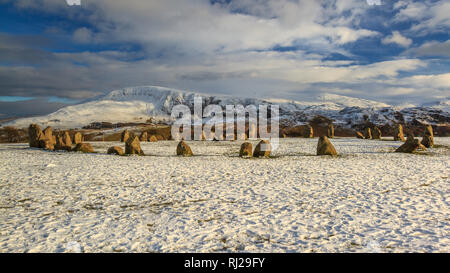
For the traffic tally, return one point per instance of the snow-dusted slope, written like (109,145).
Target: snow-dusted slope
(138,104)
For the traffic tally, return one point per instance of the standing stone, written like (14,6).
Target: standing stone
(262,149)
(410,145)
(398,133)
(428,138)
(427,141)
(184,149)
(133,146)
(63,142)
(429,131)
(367,133)
(324,147)
(153,138)
(66,138)
(115,150)
(125,136)
(330,130)
(46,144)
(77,138)
(308,132)
(246,149)
(48,134)
(35,134)
(376,133)
(359,135)
(143,136)
(83,147)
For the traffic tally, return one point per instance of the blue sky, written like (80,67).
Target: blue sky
(55,54)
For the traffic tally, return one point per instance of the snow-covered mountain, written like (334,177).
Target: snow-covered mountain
(138,104)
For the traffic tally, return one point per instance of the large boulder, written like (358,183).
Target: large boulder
(115,150)
(330,130)
(376,133)
(133,146)
(143,136)
(125,136)
(359,135)
(262,149)
(35,135)
(184,149)
(324,147)
(368,133)
(410,145)
(77,138)
(83,147)
(398,133)
(308,132)
(246,149)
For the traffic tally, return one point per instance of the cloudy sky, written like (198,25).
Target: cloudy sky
(53,54)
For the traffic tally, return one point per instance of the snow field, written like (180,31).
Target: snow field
(368,199)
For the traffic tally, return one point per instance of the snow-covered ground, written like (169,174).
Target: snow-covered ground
(368,199)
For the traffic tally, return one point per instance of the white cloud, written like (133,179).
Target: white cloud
(432,48)
(397,38)
(82,35)
(224,48)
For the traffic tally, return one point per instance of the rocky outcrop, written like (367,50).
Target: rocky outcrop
(83,147)
(262,149)
(184,149)
(246,149)
(115,150)
(133,146)
(324,147)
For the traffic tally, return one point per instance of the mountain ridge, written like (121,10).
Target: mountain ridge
(138,104)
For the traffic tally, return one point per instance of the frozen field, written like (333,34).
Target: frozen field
(369,199)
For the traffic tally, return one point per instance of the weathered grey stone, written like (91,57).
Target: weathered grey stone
(324,147)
